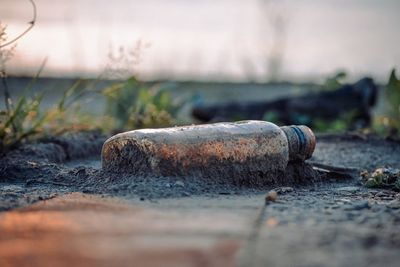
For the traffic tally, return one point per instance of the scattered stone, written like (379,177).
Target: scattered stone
(381,194)
(280,207)
(359,205)
(132,186)
(394,205)
(283,190)
(88,190)
(10,194)
(387,198)
(14,188)
(351,189)
(179,183)
(272,222)
(344,200)
(271,196)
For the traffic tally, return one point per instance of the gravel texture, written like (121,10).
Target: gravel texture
(329,219)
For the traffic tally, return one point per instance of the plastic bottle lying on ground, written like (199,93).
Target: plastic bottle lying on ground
(237,150)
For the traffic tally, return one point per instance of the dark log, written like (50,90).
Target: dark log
(357,98)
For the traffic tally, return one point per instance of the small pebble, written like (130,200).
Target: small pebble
(179,183)
(351,189)
(359,205)
(394,205)
(14,188)
(284,189)
(271,196)
(272,222)
(381,194)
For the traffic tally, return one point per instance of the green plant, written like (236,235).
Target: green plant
(389,123)
(334,82)
(341,124)
(6,52)
(66,114)
(20,122)
(382,178)
(28,119)
(271,116)
(131,104)
(335,126)
(16,122)
(5,55)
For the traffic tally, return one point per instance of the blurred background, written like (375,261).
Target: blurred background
(126,64)
(217,40)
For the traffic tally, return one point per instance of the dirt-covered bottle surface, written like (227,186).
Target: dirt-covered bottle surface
(237,149)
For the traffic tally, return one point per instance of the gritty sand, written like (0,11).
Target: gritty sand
(59,209)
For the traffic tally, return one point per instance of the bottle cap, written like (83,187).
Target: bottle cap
(301,142)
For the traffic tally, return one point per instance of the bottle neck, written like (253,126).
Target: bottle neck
(301,142)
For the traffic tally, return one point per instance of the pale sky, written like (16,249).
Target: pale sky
(208,39)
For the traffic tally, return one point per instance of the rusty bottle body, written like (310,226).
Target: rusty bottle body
(235,149)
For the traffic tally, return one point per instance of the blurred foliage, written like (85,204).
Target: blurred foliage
(130,104)
(335,126)
(5,53)
(389,123)
(21,122)
(271,116)
(28,119)
(334,82)
(133,105)
(341,124)
(382,178)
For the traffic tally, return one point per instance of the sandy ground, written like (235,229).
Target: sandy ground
(59,209)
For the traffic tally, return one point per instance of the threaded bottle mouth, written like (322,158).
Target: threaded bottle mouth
(301,142)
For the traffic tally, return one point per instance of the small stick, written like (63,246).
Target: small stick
(31,24)
(342,171)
